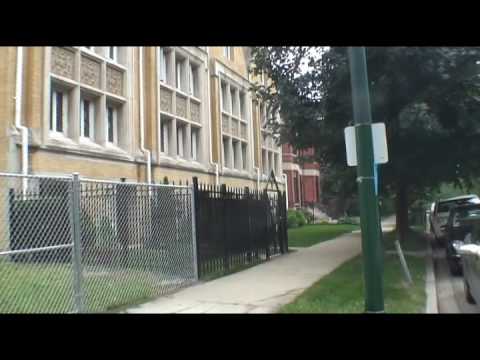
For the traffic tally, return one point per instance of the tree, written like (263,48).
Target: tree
(428,97)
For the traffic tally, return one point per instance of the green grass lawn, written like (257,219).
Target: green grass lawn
(342,291)
(309,235)
(48,288)
(415,241)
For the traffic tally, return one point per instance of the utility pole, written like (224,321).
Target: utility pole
(369,214)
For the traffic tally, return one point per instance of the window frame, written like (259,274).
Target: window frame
(92,118)
(114,124)
(189,83)
(76,87)
(53,125)
(115,53)
(194,145)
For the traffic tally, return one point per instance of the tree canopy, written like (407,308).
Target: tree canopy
(428,97)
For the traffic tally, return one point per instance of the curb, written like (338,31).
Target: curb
(430,284)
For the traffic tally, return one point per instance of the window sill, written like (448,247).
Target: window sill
(86,147)
(178,162)
(167,86)
(181,93)
(88,143)
(237,172)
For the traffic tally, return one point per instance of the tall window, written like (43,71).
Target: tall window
(228,52)
(87,119)
(234,122)
(165,134)
(181,105)
(224,97)
(180,74)
(194,144)
(243,110)
(244,156)
(58,110)
(163,65)
(113,53)
(181,134)
(93,93)
(265,162)
(236,155)
(227,155)
(234,101)
(112,125)
(193,80)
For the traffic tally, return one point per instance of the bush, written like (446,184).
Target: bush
(301,218)
(292,221)
(308,216)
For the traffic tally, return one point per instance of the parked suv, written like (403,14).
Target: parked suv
(441,210)
(469,249)
(457,230)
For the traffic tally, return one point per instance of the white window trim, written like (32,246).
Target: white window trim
(114,123)
(165,139)
(91,111)
(194,145)
(180,141)
(227,52)
(53,119)
(115,53)
(163,65)
(189,82)
(178,75)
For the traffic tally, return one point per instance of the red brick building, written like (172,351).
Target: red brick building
(303,178)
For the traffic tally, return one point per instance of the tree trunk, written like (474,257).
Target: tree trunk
(401,210)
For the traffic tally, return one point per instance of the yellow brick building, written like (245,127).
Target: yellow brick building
(140,113)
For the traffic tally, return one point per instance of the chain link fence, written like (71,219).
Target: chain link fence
(78,245)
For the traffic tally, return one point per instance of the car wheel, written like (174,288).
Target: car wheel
(468,294)
(455,268)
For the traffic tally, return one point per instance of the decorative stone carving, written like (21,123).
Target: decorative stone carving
(62,62)
(114,81)
(194,111)
(90,72)
(166,100)
(225,124)
(181,106)
(243,131)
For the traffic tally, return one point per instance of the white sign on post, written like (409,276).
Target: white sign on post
(379,137)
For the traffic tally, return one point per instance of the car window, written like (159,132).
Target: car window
(444,207)
(457,215)
(473,212)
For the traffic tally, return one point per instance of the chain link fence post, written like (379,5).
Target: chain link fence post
(194,193)
(77,246)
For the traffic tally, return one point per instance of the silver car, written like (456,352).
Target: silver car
(469,249)
(440,211)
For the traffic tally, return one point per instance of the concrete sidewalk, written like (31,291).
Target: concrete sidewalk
(262,288)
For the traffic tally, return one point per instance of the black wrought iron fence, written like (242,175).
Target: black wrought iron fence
(237,227)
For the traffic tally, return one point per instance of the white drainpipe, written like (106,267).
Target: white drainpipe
(217,179)
(142,122)
(18,113)
(285,179)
